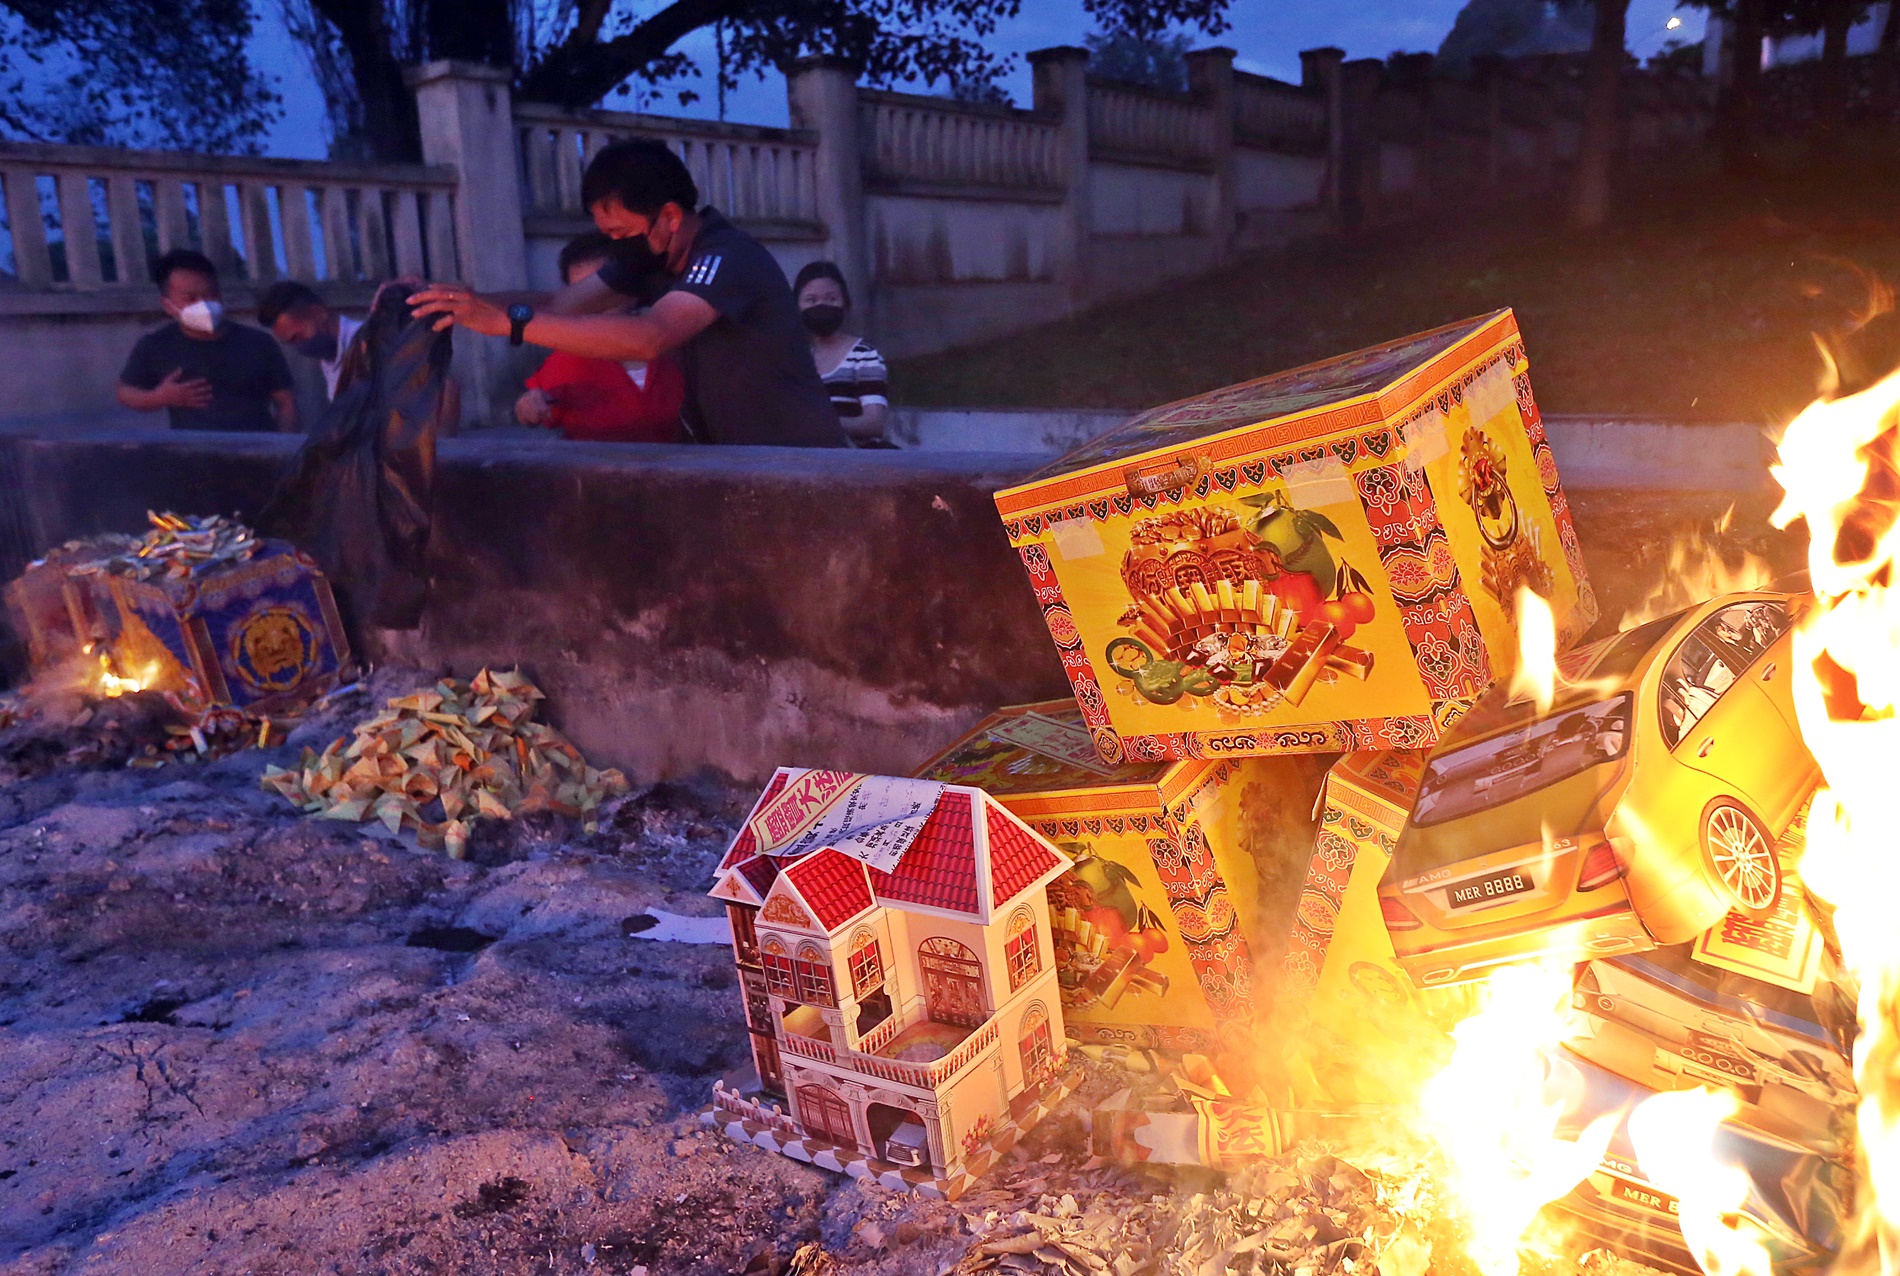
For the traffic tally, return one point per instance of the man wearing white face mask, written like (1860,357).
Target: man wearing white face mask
(210,373)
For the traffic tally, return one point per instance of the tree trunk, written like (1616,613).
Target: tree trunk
(389,129)
(471,31)
(1602,116)
(1735,113)
(1831,89)
(1887,67)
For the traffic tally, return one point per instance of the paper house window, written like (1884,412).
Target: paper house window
(1033,1045)
(778,970)
(1020,949)
(813,973)
(867,968)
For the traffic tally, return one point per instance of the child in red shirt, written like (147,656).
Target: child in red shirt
(600,400)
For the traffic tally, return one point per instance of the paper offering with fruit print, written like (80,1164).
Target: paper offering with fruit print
(1325,559)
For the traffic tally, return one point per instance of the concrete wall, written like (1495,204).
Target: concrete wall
(683,607)
(1268,181)
(1632,453)
(743,608)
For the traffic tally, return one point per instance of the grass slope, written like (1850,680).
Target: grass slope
(1701,304)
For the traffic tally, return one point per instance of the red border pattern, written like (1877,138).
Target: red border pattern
(1416,554)
(1586,609)
(1336,848)
(1209,926)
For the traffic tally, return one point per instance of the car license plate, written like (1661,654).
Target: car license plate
(1485,890)
(1644,1196)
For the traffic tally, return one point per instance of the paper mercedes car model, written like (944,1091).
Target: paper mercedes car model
(1668,1021)
(1638,809)
(1795,1205)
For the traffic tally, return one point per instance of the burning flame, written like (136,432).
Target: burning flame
(1493,1113)
(1673,1135)
(1535,677)
(111,686)
(1697,570)
(1838,472)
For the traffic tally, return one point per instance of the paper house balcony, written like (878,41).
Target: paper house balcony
(893,944)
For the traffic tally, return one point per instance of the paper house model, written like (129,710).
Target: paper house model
(894,950)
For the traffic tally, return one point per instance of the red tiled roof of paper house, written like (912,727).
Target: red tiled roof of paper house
(939,869)
(761,871)
(1017,858)
(742,845)
(833,884)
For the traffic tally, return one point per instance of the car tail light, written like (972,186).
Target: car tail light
(1397,916)
(1600,867)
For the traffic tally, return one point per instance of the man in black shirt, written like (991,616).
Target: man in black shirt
(718,297)
(211,374)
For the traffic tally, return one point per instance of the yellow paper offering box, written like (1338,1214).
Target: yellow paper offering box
(1182,871)
(1322,560)
(1351,1024)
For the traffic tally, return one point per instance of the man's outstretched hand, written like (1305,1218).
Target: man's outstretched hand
(459,307)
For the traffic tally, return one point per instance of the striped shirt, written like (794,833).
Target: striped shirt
(858,381)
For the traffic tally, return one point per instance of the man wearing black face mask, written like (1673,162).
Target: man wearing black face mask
(299,318)
(716,295)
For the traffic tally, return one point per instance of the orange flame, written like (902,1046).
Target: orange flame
(1492,1113)
(1674,1138)
(1837,470)
(1696,570)
(1535,676)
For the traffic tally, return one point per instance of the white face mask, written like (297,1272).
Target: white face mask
(202,316)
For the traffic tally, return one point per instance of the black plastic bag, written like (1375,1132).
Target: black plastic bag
(358,496)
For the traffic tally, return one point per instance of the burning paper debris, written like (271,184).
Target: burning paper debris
(438,760)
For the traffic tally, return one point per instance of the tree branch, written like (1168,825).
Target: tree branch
(579,73)
(587,25)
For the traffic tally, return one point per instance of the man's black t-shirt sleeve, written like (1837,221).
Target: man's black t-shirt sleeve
(141,370)
(721,284)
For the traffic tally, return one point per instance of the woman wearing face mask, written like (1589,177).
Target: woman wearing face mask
(852,370)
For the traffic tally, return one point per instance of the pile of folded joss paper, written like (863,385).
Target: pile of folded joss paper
(180,545)
(437,760)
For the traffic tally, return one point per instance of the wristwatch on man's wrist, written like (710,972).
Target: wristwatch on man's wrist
(518,316)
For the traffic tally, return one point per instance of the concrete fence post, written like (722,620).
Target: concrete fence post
(1061,92)
(466,114)
(1359,148)
(1211,78)
(1320,72)
(822,93)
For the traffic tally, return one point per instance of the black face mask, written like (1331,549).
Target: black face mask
(321,347)
(822,321)
(636,256)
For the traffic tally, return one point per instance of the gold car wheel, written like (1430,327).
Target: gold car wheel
(1742,857)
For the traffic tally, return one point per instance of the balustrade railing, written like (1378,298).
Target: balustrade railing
(88,218)
(923,1076)
(771,1116)
(1127,122)
(907,138)
(811,1048)
(1269,113)
(749,173)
